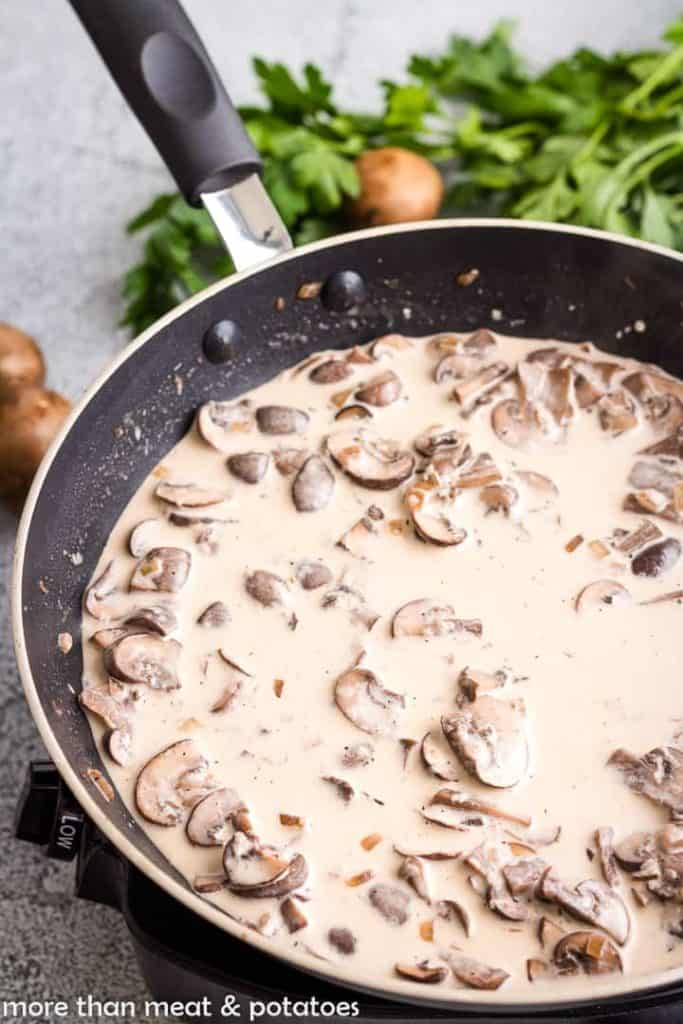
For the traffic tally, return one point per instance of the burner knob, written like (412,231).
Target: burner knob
(47,813)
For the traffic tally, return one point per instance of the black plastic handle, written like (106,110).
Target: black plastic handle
(160,65)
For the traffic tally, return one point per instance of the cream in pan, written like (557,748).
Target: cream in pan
(375,652)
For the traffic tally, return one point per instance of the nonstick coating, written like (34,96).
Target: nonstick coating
(534,281)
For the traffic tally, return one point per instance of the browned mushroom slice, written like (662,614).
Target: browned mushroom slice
(144,659)
(658,558)
(257,873)
(289,460)
(392,903)
(219,423)
(426,972)
(281,419)
(312,575)
(437,437)
(331,371)
(233,677)
(671,445)
(432,516)
(549,389)
(444,817)
(157,618)
(515,423)
(119,745)
(592,380)
(489,737)
(475,974)
(365,702)
(604,840)
(552,357)
(104,637)
(427,618)
(523,877)
(142,536)
(586,953)
(413,872)
(654,476)
(645,533)
(162,569)
(465,802)
(499,497)
(113,713)
(602,594)
(473,389)
(188,495)
(359,540)
(344,789)
(536,968)
(590,901)
(249,467)
(313,485)
(215,615)
(268,589)
(343,940)
(488,861)
(655,857)
(646,385)
(617,412)
(170,781)
(473,682)
(209,819)
(208,883)
(454,912)
(383,389)
(436,760)
(658,775)
(370,461)
(549,932)
(354,412)
(293,915)
(100,597)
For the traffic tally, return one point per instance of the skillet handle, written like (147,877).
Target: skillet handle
(160,65)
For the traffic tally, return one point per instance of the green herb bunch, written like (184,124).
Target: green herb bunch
(591,140)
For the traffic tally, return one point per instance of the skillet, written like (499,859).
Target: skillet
(535,280)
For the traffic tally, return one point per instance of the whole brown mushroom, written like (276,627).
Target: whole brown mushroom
(27,426)
(396,186)
(21,362)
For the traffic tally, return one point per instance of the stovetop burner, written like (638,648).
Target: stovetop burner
(184,958)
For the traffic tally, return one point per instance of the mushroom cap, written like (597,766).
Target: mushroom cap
(157,618)
(331,371)
(222,423)
(163,569)
(658,558)
(363,700)
(249,467)
(267,588)
(369,460)
(210,817)
(392,903)
(313,485)
(144,659)
(313,574)
(167,781)
(489,737)
(281,419)
(188,495)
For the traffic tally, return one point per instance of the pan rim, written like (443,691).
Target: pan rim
(466,999)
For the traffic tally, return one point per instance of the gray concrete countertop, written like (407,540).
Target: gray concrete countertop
(75,168)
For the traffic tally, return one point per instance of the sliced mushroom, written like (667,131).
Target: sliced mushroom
(233,677)
(215,615)
(360,538)
(671,445)
(188,495)
(657,858)
(392,903)
(436,761)
(332,371)
(657,775)
(617,412)
(445,818)
(358,755)
(162,569)
(219,423)
(427,972)
(413,872)
(592,380)
(647,386)
(389,345)
(602,594)
(293,915)
(586,953)
(289,460)
(210,818)
(384,389)
(249,467)
(432,516)
(144,659)
(157,618)
(489,860)
(281,419)
(471,390)
(523,877)
(343,940)
(549,932)
(657,559)
(536,968)
(344,789)
(541,485)
(119,745)
(141,538)
(113,713)
(370,461)
(590,901)
(438,437)
(100,597)
(499,497)
(454,912)
(173,779)
(473,682)
(515,423)
(313,485)
(268,589)
(475,974)
(354,412)
(464,802)
(644,534)
(489,737)
(427,618)
(104,637)
(364,701)
(344,596)
(312,575)
(259,873)
(604,840)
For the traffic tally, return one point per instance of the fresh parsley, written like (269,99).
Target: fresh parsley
(591,140)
